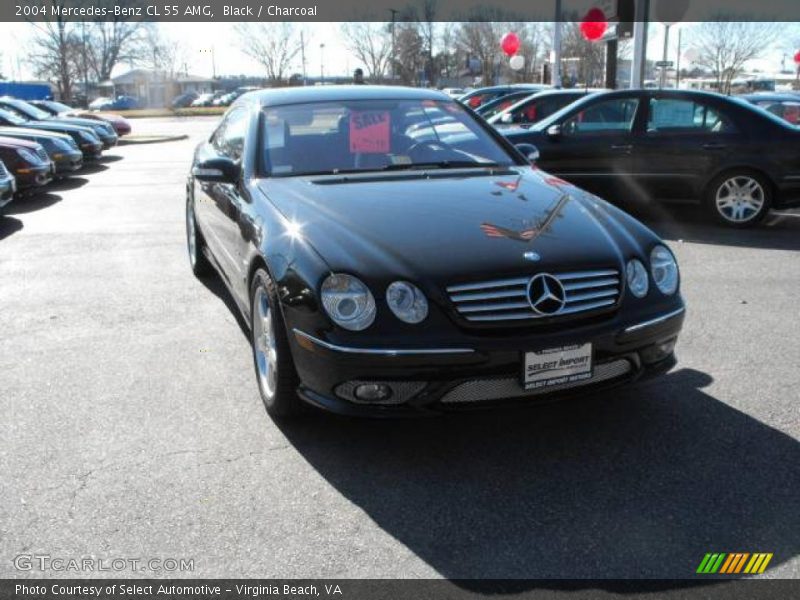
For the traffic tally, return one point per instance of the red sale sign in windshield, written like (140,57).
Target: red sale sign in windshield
(370,132)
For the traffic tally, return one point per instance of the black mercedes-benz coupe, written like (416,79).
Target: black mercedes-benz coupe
(394,254)
(737,160)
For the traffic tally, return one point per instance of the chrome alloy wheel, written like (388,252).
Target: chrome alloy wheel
(740,199)
(266,349)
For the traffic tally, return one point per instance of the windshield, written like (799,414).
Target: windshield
(374,135)
(27,110)
(10,117)
(58,107)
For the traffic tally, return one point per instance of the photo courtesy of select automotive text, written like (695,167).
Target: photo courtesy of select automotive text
(399,299)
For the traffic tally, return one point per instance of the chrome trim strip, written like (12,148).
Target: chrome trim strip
(488,284)
(655,321)
(381,351)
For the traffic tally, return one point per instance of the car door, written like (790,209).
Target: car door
(219,204)
(684,138)
(592,145)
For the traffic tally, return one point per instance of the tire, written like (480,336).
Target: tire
(739,198)
(195,242)
(272,358)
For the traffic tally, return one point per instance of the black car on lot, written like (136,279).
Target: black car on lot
(786,105)
(488,109)
(28,162)
(87,141)
(103,130)
(535,107)
(386,268)
(61,148)
(738,160)
(481,96)
(8,185)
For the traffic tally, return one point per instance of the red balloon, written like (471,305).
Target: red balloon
(510,43)
(594,24)
(797,57)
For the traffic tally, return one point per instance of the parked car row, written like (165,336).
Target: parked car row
(47,140)
(738,156)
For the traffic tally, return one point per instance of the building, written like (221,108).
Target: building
(155,89)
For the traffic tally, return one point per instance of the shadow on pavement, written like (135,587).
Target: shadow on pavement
(778,231)
(638,483)
(9,226)
(216,286)
(28,204)
(91,168)
(109,158)
(68,183)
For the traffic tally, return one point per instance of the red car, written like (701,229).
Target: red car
(120,124)
(27,162)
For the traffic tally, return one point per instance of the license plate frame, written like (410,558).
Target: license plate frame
(550,367)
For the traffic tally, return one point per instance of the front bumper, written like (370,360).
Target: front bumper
(8,187)
(68,163)
(92,151)
(33,177)
(480,372)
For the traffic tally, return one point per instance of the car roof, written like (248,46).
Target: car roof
(334,93)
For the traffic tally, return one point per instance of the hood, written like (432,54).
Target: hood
(35,134)
(57,126)
(17,143)
(453,226)
(90,123)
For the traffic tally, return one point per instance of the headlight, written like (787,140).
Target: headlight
(637,278)
(28,157)
(664,270)
(348,302)
(407,302)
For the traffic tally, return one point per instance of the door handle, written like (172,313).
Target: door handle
(714,146)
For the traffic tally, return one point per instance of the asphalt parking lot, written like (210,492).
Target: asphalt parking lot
(132,426)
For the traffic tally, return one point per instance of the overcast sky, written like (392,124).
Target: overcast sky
(197,38)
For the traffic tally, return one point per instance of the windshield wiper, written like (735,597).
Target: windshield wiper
(442,164)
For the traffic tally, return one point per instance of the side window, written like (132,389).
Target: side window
(607,116)
(668,115)
(228,140)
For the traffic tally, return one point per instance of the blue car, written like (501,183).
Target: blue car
(118,103)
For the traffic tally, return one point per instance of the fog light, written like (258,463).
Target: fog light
(657,352)
(373,392)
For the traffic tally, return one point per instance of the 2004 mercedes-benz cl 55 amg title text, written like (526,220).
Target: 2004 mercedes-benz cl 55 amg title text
(392,253)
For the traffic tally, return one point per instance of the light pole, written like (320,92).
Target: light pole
(555,76)
(664,55)
(322,63)
(394,18)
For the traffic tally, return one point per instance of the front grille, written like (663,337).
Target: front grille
(506,388)
(40,152)
(507,299)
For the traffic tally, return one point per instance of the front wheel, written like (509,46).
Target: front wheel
(194,242)
(739,198)
(277,379)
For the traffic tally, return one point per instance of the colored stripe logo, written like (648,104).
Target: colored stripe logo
(734,562)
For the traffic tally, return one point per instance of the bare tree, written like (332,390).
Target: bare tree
(168,55)
(273,45)
(109,43)
(724,46)
(409,53)
(584,60)
(55,49)
(371,44)
(480,39)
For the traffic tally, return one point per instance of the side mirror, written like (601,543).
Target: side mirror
(507,118)
(217,170)
(554,131)
(530,151)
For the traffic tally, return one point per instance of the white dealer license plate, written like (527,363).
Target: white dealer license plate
(557,366)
